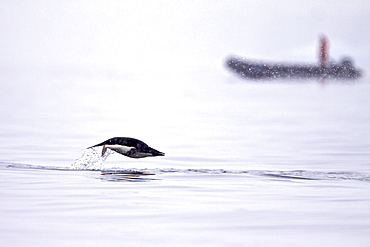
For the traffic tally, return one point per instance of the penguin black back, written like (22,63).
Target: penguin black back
(125,141)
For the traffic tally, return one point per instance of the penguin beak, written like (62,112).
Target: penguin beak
(156,153)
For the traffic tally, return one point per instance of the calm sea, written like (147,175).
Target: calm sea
(247,163)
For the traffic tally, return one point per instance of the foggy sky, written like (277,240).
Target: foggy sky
(130,35)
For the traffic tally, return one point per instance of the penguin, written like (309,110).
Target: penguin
(129,147)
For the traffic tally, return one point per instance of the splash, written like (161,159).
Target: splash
(91,159)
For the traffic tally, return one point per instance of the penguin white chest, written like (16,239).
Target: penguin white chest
(119,148)
(140,155)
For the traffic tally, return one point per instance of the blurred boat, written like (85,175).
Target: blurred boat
(324,70)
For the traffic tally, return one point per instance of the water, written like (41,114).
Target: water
(279,163)
(247,164)
(181,208)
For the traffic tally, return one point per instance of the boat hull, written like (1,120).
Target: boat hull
(254,70)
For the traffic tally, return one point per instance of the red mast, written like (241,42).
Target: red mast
(323,55)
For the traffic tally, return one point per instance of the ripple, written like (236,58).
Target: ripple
(117,174)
